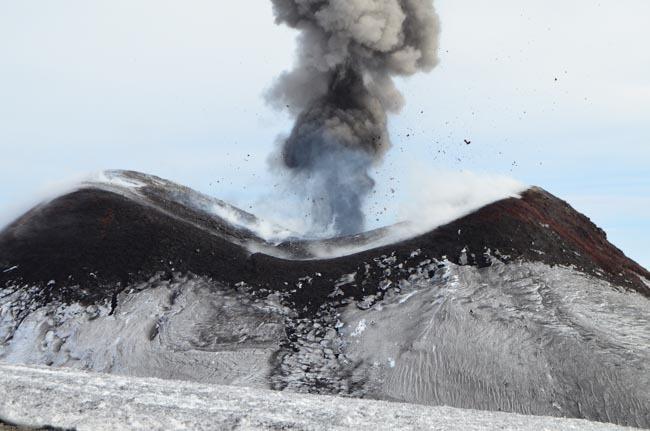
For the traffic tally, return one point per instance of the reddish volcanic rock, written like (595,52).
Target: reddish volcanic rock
(578,234)
(94,237)
(146,274)
(540,227)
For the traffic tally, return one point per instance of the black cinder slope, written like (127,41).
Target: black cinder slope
(521,306)
(77,244)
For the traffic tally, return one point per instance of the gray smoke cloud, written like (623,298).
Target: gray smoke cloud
(341,90)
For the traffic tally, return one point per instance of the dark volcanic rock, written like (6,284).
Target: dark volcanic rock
(95,237)
(522,305)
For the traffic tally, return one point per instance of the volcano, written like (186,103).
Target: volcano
(520,306)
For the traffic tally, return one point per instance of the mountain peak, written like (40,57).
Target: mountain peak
(127,226)
(522,305)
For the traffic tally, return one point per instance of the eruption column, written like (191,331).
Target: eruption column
(341,90)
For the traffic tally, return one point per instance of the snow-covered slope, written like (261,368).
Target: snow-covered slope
(521,337)
(95,402)
(186,328)
(521,306)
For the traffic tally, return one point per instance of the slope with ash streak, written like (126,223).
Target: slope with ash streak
(521,337)
(98,236)
(533,276)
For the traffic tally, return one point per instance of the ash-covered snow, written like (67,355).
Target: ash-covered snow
(345,279)
(85,401)
(519,337)
(645,281)
(128,183)
(361,327)
(186,328)
(522,337)
(116,179)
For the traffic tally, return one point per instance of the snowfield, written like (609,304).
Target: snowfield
(73,399)
(520,337)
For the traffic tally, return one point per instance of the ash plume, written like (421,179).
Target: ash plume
(341,90)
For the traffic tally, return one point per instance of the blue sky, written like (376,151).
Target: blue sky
(554,93)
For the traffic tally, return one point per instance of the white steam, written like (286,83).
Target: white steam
(439,197)
(433,199)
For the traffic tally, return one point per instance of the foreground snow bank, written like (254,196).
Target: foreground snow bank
(72,399)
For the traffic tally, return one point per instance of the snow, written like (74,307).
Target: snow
(645,281)
(406,297)
(507,337)
(188,328)
(116,179)
(345,279)
(463,256)
(264,229)
(521,337)
(361,327)
(40,397)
